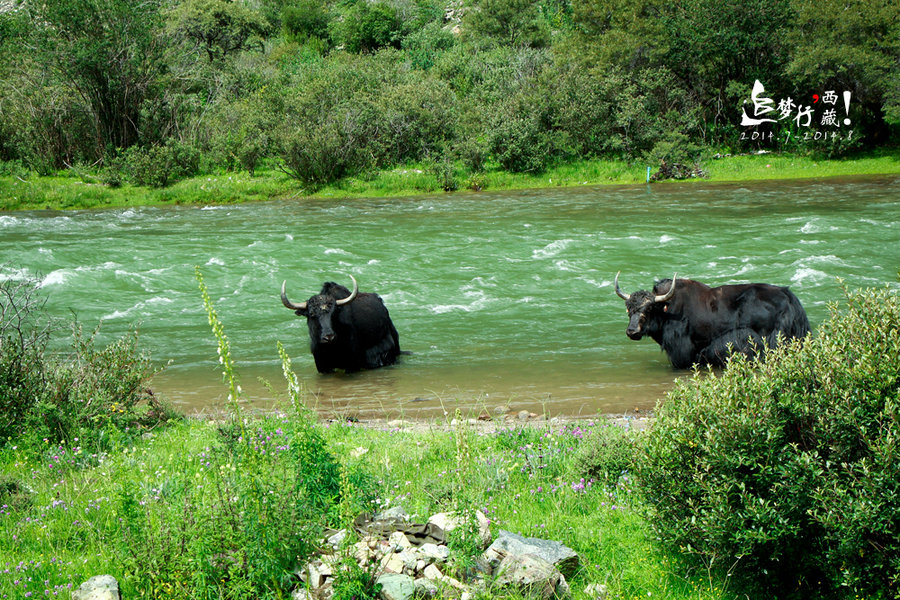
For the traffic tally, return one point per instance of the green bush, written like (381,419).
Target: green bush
(240,526)
(161,164)
(307,19)
(412,120)
(607,453)
(443,170)
(521,145)
(788,471)
(426,44)
(96,394)
(320,155)
(368,26)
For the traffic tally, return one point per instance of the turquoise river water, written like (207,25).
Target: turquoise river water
(505,299)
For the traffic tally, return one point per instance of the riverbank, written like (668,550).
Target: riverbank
(73,190)
(70,514)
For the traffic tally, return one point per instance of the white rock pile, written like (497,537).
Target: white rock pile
(406,570)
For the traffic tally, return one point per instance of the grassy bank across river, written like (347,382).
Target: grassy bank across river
(73,189)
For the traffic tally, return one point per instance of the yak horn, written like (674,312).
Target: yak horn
(288,303)
(619,292)
(352,295)
(668,295)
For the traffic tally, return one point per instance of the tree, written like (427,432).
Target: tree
(850,46)
(109,52)
(220,27)
(510,22)
(719,48)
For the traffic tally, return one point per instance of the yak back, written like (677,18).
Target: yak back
(699,318)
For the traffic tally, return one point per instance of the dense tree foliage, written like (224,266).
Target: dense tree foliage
(336,88)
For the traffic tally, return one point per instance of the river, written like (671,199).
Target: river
(504,299)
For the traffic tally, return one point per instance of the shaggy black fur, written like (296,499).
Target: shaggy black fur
(358,335)
(700,324)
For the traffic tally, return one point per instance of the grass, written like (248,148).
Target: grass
(70,521)
(70,190)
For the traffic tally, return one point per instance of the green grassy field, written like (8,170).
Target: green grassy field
(70,191)
(69,517)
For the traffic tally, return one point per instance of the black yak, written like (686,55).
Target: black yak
(697,324)
(347,330)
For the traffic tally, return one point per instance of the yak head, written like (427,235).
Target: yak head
(320,309)
(642,305)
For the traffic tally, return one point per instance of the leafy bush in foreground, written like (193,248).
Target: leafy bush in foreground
(93,394)
(789,471)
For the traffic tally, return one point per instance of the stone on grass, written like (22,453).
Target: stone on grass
(399,541)
(596,591)
(101,587)
(434,553)
(507,543)
(302,594)
(426,587)
(396,587)
(530,575)
(450,521)
(392,513)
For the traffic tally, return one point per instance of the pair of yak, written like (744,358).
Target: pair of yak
(692,322)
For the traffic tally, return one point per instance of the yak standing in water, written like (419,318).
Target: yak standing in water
(695,323)
(347,330)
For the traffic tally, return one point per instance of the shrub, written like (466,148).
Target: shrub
(521,145)
(368,26)
(240,526)
(321,155)
(412,120)
(307,19)
(790,469)
(96,394)
(161,164)
(607,453)
(426,44)
(443,170)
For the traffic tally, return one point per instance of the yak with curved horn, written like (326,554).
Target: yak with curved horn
(347,330)
(698,324)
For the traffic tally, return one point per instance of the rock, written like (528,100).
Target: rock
(399,542)
(316,572)
(409,558)
(530,575)
(434,553)
(396,587)
(337,539)
(596,591)
(392,563)
(433,573)
(426,588)
(523,415)
(508,543)
(101,587)
(393,513)
(302,594)
(448,522)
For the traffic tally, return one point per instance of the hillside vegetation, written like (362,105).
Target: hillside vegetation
(149,92)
